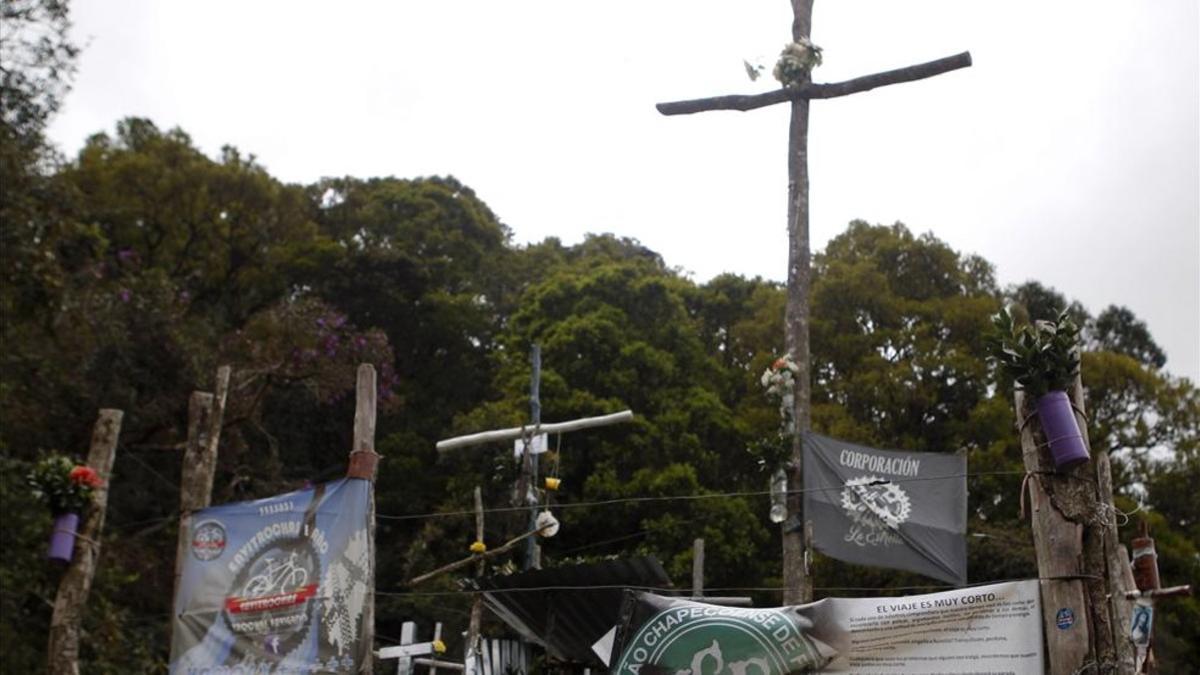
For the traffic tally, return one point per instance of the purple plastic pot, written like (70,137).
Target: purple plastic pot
(1062,433)
(62,539)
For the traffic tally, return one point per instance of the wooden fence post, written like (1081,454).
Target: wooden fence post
(362,466)
(1083,578)
(206,414)
(471,654)
(196,460)
(62,653)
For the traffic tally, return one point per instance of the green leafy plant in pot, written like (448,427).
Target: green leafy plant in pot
(1042,359)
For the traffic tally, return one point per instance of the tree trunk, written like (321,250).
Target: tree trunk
(63,648)
(797,585)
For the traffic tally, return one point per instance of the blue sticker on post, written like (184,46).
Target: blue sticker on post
(1065,618)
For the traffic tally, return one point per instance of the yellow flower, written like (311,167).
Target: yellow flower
(478,547)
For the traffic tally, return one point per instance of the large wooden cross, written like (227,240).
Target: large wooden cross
(797,585)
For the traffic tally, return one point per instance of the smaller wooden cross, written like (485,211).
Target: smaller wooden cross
(409,653)
(529,461)
(1144,567)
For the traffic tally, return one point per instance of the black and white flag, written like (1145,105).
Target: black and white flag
(886,508)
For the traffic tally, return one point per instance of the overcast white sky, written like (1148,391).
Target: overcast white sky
(1069,153)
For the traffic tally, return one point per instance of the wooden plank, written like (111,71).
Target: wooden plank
(413,649)
(458,564)
(215,422)
(1094,501)
(76,584)
(1059,547)
(471,657)
(437,636)
(362,466)
(434,664)
(206,415)
(363,459)
(197,461)
(517,432)
(810,90)
(1117,569)
(1172,591)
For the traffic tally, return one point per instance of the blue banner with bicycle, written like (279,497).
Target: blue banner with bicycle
(276,585)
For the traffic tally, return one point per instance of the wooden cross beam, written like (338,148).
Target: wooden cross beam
(500,435)
(797,586)
(810,90)
(1144,567)
(529,462)
(408,652)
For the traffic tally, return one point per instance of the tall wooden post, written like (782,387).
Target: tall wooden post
(796,582)
(1083,573)
(206,414)
(62,652)
(471,655)
(797,585)
(698,568)
(196,463)
(1144,576)
(533,552)
(363,463)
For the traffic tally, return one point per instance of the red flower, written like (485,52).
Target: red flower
(85,475)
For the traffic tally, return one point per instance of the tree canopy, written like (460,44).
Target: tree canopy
(133,269)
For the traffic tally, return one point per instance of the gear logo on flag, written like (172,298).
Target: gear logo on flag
(876,503)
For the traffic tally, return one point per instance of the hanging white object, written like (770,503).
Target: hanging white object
(604,646)
(779,486)
(537,445)
(546,520)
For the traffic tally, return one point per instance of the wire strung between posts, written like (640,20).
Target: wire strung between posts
(688,497)
(1029,474)
(730,589)
(151,469)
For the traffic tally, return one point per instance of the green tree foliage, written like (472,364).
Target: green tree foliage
(899,361)
(1116,329)
(230,238)
(38,62)
(424,261)
(616,332)
(1035,302)
(140,266)
(898,356)
(132,271)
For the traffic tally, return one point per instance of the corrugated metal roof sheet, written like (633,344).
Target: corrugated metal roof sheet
(567,609)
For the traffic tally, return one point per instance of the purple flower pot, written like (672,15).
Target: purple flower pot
(1061,431)
(62,538)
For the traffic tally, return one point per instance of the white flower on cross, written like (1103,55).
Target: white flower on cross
(780,380)
(796,61)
